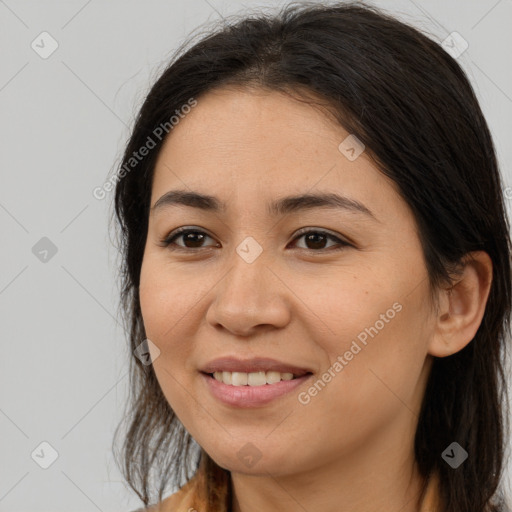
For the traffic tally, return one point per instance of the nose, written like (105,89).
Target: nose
(249,298)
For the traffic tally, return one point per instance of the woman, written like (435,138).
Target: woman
(316,261)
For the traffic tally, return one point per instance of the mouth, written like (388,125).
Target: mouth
(252,382)
(254,389)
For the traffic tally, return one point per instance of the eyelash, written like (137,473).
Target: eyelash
(169,239)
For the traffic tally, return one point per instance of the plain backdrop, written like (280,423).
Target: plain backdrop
(64,120)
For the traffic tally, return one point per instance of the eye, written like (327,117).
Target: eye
(195,237)
(315,239)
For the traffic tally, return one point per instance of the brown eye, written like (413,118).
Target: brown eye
(191,238)
(316,240)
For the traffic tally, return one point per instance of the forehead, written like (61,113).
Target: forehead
(259,143)
(230,115)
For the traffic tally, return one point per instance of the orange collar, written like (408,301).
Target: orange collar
(431,499)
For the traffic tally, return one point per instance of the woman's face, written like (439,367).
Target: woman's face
(346,300)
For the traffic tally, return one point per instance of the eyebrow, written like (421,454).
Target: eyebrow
(283,206)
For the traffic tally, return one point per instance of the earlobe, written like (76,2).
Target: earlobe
(462,306)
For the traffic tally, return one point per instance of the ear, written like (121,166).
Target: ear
(462,306)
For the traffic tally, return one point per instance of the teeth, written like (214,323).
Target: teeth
(273,377)
(238,379)
(251,379)
(256,379)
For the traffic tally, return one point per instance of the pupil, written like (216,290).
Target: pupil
(313,237)
(189,237)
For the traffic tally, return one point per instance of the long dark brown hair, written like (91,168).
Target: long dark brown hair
(413,107)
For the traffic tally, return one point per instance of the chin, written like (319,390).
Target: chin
(249,460)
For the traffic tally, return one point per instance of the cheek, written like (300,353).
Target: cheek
(345,307)
(367,391)
(167,300)
(376,329)
(382,358)
(153,297)
(167,308)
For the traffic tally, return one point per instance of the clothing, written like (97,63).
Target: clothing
(187,500)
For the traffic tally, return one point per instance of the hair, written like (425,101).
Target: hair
(413,107)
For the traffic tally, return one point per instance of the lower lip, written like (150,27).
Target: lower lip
(251,396)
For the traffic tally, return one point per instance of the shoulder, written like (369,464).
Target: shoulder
(181,501)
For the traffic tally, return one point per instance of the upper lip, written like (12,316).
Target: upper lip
(256,364)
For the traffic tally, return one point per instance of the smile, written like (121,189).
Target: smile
(248,395)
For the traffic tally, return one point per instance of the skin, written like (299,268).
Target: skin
(351,446)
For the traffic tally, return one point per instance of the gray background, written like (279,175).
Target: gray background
(63,123)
